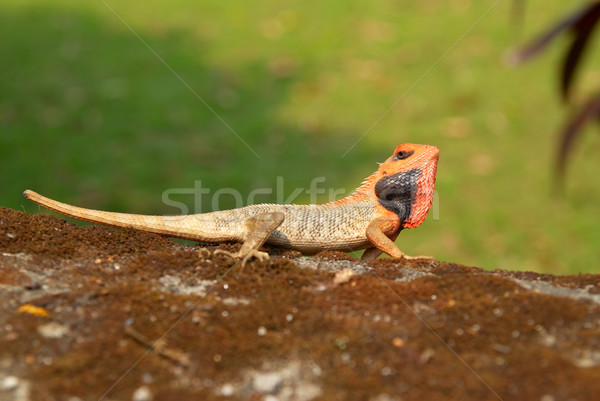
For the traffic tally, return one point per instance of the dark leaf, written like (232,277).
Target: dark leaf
(589,111)
(588,17)
(578,20)
(583,30)
(571,62)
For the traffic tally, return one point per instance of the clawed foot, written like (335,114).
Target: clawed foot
(252,253)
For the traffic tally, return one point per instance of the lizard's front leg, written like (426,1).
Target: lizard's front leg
(375,234)
(257,229)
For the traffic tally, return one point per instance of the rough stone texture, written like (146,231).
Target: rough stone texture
(80,308)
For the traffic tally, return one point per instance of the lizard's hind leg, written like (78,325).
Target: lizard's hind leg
(257,229)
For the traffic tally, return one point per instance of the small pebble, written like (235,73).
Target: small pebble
(262,330)
(142,393)
(147,378)
(267,383)
(9,383)
(504,349)
(53,330)
(343,276)
(226,390)
(426,355)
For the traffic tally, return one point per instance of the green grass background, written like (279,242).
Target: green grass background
(90,115)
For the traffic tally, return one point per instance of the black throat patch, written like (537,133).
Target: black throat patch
(397,192)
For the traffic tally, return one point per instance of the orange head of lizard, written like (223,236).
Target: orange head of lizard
(404,183)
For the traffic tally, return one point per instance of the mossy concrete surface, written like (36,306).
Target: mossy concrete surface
(93,313)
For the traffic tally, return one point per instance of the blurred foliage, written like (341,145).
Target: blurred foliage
(580,24)
(89,115)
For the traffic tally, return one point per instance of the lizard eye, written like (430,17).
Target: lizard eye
(404,154)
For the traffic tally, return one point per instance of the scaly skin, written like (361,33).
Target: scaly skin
(398,195)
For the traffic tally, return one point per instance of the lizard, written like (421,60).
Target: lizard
(395,197)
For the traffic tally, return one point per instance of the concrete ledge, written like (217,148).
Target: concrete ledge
(89,313)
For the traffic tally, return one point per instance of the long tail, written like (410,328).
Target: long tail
(197,227)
